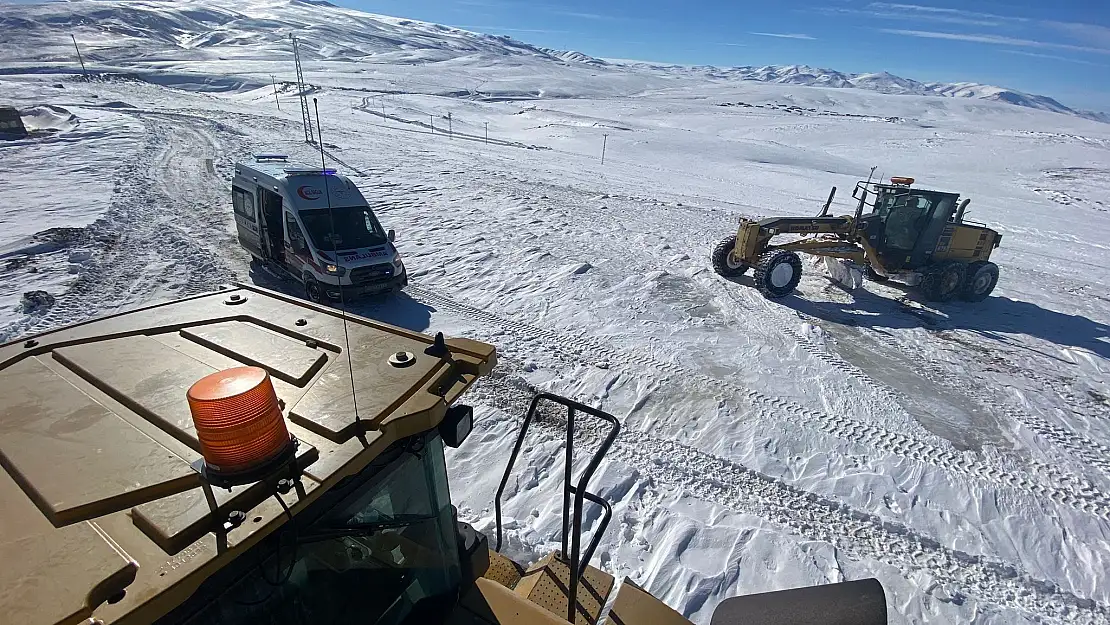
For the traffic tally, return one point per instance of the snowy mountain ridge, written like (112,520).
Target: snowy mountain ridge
(151,32)
(882,82)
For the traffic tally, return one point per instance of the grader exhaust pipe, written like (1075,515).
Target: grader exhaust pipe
(959,218)
(859,602)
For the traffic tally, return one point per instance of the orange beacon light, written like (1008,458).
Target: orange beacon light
(239,424)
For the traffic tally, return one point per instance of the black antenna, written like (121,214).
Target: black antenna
(335,254)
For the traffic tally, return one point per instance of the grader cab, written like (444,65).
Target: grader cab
(916,236)
(246,457)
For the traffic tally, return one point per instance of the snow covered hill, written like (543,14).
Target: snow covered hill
(146,32)
(882,82)
(156,34)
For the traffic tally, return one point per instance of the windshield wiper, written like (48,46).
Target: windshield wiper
(362,529)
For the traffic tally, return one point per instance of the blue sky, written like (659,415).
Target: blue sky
(1059,48)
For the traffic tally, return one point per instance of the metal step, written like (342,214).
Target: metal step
(490,603)
(635,606)
(503,570)
(546,583)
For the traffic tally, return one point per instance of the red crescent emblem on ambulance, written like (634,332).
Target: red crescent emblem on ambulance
(308,193)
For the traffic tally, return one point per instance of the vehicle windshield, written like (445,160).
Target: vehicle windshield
(382,552)
(355,227)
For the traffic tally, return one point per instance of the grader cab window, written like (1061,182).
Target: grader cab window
(382,551)
(906,216)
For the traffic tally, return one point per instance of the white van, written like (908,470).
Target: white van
(325,237)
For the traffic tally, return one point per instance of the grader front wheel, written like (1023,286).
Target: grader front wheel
(777,273)
(723,261)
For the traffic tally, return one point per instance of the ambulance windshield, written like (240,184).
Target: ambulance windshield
(355,227)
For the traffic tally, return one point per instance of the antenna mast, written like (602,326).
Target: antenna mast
(306,118)
(81,60)
(335,254)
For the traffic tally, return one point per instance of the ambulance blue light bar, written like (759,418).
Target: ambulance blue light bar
(308,171)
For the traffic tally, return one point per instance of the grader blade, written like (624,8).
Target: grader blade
(843,272)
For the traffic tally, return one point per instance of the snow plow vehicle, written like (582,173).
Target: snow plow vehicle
(232,458)
(314,226)
(912,235)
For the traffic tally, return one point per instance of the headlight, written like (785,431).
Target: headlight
(335,270)
(397,264)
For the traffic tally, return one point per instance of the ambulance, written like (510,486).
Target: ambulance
(314,225)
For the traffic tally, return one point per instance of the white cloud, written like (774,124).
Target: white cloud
(917,8)
(936,14)
(1055,57)
(785,35)
(1092,34)
(994,39)
(585,16)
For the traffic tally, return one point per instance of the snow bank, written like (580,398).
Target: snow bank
(48,118)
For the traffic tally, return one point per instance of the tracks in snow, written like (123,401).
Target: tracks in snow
(814,517)
(163,230)
(571,349)
(1039,479)
(1090,452)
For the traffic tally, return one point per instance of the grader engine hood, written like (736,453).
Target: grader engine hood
(103,510)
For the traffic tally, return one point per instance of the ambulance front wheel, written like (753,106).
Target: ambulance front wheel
(312,290)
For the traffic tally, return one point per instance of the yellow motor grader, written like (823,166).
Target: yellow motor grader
(912,235)
(245,457)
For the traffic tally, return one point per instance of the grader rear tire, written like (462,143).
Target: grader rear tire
(943,281)
(981,278)
(777,273)
(723,263)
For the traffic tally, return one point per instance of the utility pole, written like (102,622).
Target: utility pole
(487,132)
(79,59)
(273,81)
(450,132)
(432,124)
(604,141)
(306,117)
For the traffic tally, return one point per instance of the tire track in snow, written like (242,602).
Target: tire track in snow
(809,515)
(1079,494)
(1090,501)
(1090,452)
(691,221)
(769,312)
(144,245)
(768,317)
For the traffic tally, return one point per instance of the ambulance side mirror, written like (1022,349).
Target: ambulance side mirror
(391,235)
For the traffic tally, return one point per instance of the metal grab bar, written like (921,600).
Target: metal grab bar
(572,523)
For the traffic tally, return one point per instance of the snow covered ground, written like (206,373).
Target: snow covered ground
(958,452)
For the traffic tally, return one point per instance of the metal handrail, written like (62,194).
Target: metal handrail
(572,525)
(606,516)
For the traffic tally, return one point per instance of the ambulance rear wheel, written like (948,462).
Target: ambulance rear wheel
(312,290)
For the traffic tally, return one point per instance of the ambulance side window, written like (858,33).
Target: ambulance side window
(243,202)
(296,237)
